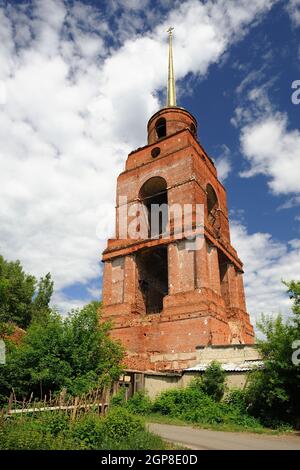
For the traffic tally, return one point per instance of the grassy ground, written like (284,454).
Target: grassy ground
(119,430)
(163,419)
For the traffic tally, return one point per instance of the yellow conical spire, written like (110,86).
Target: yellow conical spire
(171,99)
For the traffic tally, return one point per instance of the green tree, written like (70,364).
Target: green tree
(41,302)
(16,292)
(213,381)
(21,297)
(75,353)
(274,392)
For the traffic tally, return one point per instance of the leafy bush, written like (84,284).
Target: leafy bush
(53,423)
(212,382)
(192,404)
(237,398)
(119,430)
(119,398)
(177,401)
(273,393)
(139,403)
(142,440)
(120,424)
(87,430)
(28,433)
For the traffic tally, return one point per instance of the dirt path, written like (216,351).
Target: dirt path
(203,439)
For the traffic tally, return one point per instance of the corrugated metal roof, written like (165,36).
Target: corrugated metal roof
(229,366)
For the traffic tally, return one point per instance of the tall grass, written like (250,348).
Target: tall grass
(57,430)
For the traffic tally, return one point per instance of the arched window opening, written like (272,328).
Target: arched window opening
(161,128)
(212,204)
(154,196)
(152,267)
(223,264)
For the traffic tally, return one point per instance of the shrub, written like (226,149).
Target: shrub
(52,423)
(139,403)
(237,398)
(213,381)
(119,398)
(87,431)
(27,433)
(177,401)
(119,430)
(192,404)
(119,424)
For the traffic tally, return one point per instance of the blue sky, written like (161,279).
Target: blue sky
(78,82)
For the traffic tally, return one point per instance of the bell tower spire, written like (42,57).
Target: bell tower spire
(171,98)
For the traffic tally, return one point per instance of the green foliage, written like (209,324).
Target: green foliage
(31,433)
(294,294)
(21,298)
(53,423)
(142,440)
(42,299)
(54,430)
(139,403)
(6,329)
(119,398)
(75,353)
(212,382)
(119,430)
(237,398)
(120,424)
(273,393)
(193,405)
(88,431)
(16,293)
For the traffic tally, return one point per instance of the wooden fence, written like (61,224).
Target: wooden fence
(97,400)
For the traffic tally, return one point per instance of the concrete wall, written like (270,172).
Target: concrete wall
(231,353)
(155,384)
(233,379)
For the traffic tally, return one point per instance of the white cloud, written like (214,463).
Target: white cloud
(223,163)
(76,104)
(268,144)
(65,305)
(293,9)
(273,150)
(289,203)
(267,262)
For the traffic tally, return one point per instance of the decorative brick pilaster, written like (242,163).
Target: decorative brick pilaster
(214,273)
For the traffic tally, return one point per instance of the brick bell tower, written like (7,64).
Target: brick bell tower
(165,296)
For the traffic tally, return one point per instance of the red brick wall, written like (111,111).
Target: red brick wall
(205,302)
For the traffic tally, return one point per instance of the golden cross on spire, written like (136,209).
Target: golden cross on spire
(171,98)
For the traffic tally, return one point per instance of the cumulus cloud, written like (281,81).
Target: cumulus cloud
(291,202)
(268,144)
(293,9)
(267,262)
(273,150)
(223,163)
(79,88)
